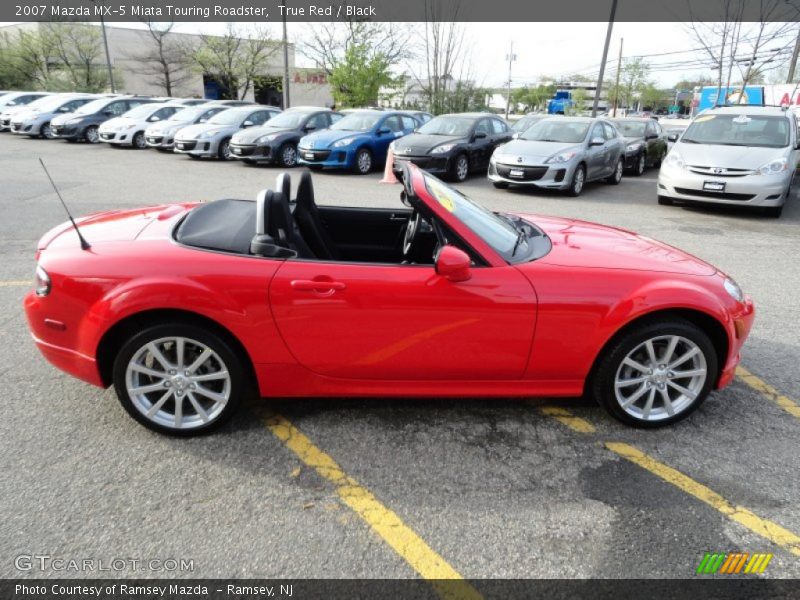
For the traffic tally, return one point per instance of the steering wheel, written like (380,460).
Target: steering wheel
(411,232)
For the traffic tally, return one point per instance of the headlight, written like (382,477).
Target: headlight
(344,142)
(42,281)
(443,148)
(266,138)
(733,289)
(674,160)
(633,147)
(205,134)
(392,146)
(560,158)
(776,166)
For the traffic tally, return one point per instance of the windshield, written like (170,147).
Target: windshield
(289,120)
(556,130)
(447,126)
(227,117)
(46,102)
(498,233)
(141,112)
(739,130)
(357,122)
(92,107)
(630,128)
(524,123)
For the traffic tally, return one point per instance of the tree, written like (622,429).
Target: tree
(236,58)
(633,79)
(357,79)
(77,50)
(532,98)
(579,98)
(165,62)
(653,98)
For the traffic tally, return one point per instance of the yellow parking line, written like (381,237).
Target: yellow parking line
(763,527)
(15,283)
(769,392)
(383,521)
(563,416)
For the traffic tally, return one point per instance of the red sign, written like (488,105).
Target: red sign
(313,78)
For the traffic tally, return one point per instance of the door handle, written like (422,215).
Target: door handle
(314,285)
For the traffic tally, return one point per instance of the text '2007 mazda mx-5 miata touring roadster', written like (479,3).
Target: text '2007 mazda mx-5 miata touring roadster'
(186,307)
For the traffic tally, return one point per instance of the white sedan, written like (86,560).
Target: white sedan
(128,129)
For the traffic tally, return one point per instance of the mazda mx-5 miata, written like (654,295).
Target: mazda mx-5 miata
(184,308)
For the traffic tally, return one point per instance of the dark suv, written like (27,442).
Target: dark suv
(83,123)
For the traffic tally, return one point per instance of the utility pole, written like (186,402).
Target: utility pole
(286,97)
(616,85)
(793,63)
(511,58)
(108,54)
(605,57)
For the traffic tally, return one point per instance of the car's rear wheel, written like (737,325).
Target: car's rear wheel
(91,134)
(179,379)
(500,185)
(616,176)
(138,141)
(46,132)
(664,201)
(656,374)
(287,155)
(459,168)
(578,181)
(363,162)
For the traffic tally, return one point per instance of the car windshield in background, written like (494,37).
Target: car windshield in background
(92,107)
(739,130)
(288,120)
(447,126)
(556,130)
(227,117)
(46,103)
(141,112)
(498,233)
(356,122)
(630,128)
(524,123)
(189,114)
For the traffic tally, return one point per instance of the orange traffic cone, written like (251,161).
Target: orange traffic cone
(388,174)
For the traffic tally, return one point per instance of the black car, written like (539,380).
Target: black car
(83,123)
(276,142)
(453,145)
(645,143)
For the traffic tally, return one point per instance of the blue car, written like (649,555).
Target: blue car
(357,142)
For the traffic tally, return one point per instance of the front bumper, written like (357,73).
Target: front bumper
(202,147)
(739,328)
(24,128)
(67,132)
(118,138)
(554,177)
(748,190)
(252,152)
(339,158)
(431,164)
(160,141)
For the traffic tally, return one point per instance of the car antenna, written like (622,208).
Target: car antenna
(84,244)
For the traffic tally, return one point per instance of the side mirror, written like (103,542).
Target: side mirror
(597,141)
(384,130)
(479,135)
(153,119)
(108,113)
(64,109)
(672,137)
(247,124)
(309,127)
(453,264)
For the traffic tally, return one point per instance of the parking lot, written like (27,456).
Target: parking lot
(337,488)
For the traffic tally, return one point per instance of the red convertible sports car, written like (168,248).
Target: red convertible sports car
(186,307)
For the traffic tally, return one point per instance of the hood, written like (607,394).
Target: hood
(591,245)
(13,110)
(248,136)
(632,139)
(418,143)
(728,157)
(61,119)
(323,139)
(112,124)
(192,131)
(531,152)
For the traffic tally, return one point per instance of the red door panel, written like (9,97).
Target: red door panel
(404,322)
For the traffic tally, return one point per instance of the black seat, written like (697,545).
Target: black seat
(281,226)
(312,229)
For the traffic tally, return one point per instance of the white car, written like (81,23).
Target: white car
(161,135)
(128,129)
(12,103)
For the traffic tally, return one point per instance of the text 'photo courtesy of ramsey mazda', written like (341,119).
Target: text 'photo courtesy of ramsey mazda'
(662,329)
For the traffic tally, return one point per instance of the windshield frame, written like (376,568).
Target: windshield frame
(444,118)
(239,115)
(686,138)
(534,130)
(377,116)
(621,123)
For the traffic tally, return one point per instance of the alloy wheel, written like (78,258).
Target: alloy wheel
(660,378)
(47,131)
(91,135)
(462,168)
(640,164)
(289,155)
(578,181)
(364,162)
(178,383)
(139,142)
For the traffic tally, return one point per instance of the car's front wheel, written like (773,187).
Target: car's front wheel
(287,155)
(578,181)
(224,150)
(46,131)
(138,141)
(656,373)
(91,134)
(459,168)
(363,162)
(179,379)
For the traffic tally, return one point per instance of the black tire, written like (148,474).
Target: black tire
(774,212)
(500,185)
(362,164)
(286,151)
(229,358)
(46,132)
(138,142)
(640,166)
(90,134)
(224,149)
(616,176)
(664,201)
(602,385)
(578,182)
(458,170)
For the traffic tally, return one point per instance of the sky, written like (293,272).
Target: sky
(554,49)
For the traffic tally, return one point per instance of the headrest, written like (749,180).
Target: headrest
(283,184)
(279,220)
(305,191)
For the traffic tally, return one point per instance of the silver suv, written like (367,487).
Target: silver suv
(734,155)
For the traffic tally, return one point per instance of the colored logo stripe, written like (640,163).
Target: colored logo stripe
(733,563)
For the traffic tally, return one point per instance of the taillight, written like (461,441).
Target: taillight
(42,281)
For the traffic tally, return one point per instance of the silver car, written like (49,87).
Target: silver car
(560,153)
(34,121)
(213,137)
(162,135)
(14,102)
(733,155)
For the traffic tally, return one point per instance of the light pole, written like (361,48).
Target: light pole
(511,58)
(286,97)
(605,57)
(105,44)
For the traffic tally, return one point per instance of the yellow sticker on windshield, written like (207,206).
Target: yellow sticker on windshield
(440,193)
(704,118)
